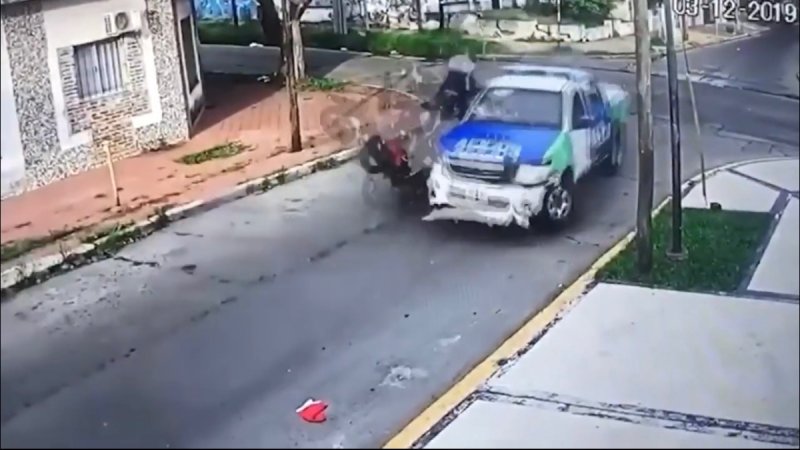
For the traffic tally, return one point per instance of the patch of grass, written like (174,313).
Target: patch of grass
(216,152)
(116,236)
(720,246)
(322,84)
(15,249)
(425,44)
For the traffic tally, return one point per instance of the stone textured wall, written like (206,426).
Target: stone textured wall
(23,24)
(108,118)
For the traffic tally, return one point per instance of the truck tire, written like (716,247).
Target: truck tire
(558,205)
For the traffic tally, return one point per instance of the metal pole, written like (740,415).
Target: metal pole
(676,247)
(695,116)
(644,105)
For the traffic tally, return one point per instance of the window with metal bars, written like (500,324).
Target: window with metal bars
(99,68)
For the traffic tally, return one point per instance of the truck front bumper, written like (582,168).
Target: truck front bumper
(456,198)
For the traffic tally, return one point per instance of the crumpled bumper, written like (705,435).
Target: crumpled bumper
(456,198)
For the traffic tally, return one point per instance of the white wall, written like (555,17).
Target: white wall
(74,22)
(12,164)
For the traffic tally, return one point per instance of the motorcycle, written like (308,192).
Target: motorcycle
(390,158)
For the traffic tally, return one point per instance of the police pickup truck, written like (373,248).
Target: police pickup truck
(524,142)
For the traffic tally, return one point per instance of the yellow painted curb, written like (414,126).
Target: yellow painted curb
(434,413)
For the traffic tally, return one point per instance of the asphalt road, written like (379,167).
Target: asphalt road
(767,63)
(212,331)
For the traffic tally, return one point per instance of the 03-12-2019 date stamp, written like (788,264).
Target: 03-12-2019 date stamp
(763,11)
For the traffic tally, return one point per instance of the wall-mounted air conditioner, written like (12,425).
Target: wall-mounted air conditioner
(122,22)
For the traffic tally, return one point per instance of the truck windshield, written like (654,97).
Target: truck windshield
(518,106)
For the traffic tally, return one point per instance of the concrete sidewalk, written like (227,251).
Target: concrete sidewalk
(635,367)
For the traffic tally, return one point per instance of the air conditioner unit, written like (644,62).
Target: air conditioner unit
(122,22)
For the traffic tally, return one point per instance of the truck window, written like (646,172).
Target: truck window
(578,109)
(595,100)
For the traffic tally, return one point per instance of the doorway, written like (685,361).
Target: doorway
(190,63)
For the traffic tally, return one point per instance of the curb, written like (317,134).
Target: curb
(36,271)
(425,425)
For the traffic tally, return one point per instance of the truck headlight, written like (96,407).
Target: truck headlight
(532,175)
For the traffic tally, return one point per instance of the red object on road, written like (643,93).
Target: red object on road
(313,411)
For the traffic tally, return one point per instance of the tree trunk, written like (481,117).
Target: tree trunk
(297,49)
(420,19)
(235,13)
(291,79)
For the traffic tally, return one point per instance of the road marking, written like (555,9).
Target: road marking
(533,328)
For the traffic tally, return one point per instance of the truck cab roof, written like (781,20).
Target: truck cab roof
(567,73)
(530,82)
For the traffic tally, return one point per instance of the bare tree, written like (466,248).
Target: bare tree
(296,10)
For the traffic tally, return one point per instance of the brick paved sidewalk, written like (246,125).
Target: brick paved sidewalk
(254,115)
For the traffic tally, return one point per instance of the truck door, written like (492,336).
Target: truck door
(601,117)
(580,135)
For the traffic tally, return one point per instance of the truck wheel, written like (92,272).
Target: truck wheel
(559,203)
(611,164)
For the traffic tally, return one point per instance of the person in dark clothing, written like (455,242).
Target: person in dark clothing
(458,88)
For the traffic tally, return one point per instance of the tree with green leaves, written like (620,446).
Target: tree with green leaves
(587,11)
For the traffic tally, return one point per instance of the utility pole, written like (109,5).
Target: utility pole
(644,106)
(291,79)
(676,245)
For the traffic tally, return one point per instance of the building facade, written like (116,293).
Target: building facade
(82,76)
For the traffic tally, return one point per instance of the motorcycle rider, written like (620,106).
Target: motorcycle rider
(458,88)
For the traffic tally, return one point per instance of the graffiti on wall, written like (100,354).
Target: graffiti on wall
(221,9)
(390,12)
